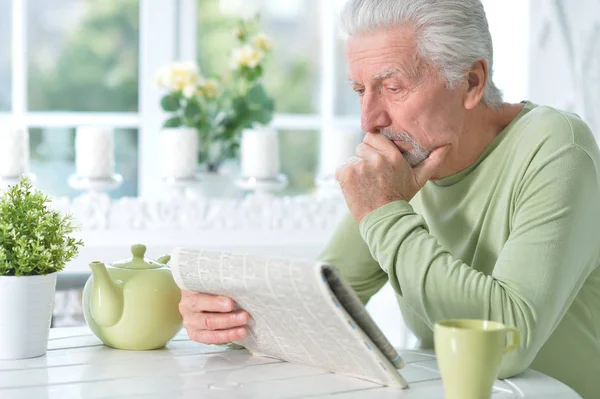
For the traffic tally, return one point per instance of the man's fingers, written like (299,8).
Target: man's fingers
(426,169)
(198,302)
(366,152)
(351,161)
(216,321)
(380,142)
(217,336)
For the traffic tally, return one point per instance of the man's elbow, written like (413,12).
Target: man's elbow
(515,363)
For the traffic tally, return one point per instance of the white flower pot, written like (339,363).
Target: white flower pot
(179,152)
(25,315)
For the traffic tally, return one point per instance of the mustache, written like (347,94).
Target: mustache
(415,156)
(399,136)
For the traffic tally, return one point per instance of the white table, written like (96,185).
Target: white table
(79,366)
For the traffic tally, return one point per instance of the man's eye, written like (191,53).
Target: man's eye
(359,91)
(393,89)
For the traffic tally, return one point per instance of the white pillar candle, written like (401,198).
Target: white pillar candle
(260,153)
(336,147)
(95,152)
(14,151)
(179,152)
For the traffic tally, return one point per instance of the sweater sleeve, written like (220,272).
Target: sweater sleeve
(551,249)
(349,253)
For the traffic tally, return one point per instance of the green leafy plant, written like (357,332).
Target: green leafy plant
(34,239)
(220,106)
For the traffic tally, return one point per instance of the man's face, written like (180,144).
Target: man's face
(401,96)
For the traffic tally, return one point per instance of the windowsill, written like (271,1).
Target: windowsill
(297,226)
(98,212)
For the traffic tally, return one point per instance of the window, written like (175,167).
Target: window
(299,154)
(53,159)
(5,56)
(82,55)
(292,69)
(74,62)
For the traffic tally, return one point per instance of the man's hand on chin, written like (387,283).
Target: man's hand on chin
(379,175)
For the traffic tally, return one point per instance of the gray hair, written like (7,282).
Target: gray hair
(452,34)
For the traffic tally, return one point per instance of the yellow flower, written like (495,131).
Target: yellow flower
(246,56)
(209,88)
(263,42)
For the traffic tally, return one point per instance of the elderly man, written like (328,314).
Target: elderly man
(468,206)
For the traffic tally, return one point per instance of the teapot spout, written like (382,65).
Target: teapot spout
(107,297)
(164,259)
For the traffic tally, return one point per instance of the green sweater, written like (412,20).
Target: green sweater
(514,238)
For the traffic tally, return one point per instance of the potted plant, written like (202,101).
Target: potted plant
(35,244)
(219,107)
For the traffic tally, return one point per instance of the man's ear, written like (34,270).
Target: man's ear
(476,81)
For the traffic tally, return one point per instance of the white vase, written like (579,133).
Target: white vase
(26,305)
(179,152)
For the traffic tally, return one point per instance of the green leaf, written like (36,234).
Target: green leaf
(264,116)
(170,102)
(269,105)
(239,106)
(257,95)
(175,121)
(192,110)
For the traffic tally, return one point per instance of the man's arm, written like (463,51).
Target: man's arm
(349,253)
(552,248)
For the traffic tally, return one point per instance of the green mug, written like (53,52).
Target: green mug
(469,353)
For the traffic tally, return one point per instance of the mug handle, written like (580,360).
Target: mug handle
(515,341)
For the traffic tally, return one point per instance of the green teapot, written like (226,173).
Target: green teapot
(133,303)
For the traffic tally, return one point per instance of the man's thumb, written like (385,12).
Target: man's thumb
(428,167)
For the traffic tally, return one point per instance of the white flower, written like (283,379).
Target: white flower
(263,42)
(159,77)
(189,91)
(246,56)
(177,76)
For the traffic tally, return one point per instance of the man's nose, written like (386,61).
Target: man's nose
(374,116)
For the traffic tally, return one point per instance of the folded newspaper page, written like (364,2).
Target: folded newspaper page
(301,312)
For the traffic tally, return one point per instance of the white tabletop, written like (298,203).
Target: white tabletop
(77,365)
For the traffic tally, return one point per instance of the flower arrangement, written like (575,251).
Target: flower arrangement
(219,107)
(34,239)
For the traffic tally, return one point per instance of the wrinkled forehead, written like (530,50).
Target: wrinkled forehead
(384,53)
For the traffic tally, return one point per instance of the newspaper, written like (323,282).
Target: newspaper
(301,312)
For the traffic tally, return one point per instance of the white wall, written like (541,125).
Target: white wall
(565,57)
(509,26)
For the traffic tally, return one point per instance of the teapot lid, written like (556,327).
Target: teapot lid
(137,261)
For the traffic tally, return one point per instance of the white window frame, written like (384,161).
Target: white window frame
(175,40)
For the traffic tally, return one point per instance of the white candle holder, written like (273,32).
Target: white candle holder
(181,186)
(260,185)
(96,185)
